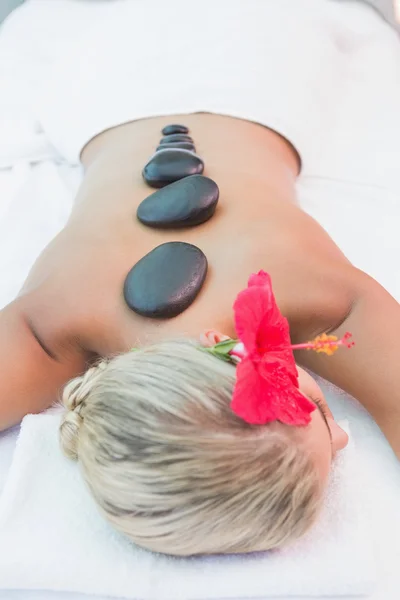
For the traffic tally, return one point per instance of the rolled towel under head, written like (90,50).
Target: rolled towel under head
(53,538)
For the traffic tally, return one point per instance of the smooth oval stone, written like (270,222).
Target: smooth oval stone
(185,203)
(166,281)
(170,139)
(167,166)
(182,145)
(170,129)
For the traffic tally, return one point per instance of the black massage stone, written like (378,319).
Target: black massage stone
(185,203)
(170,129)
(182,145)
(166,281)
(167,166)
(170,139)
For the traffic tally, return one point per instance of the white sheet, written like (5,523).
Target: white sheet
(353,190)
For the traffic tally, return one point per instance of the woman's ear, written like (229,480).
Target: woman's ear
(211,337)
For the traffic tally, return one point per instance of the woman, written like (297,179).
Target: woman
(167,460)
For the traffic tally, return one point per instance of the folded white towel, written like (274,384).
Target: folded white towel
(52,538)
(389,9)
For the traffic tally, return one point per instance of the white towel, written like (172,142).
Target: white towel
(52,538)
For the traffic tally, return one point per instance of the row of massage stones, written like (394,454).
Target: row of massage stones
(167,280)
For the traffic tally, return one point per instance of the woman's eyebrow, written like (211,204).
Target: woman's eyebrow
(325,420)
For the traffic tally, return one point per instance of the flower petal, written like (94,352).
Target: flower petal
(259,401)
(267,380)
(259,279)
(259,323)
(251,307)
(282,356)
(247,393)
(254,306)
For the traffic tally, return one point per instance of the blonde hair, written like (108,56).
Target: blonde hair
(173,468)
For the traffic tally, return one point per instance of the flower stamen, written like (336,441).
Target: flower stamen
(326,344)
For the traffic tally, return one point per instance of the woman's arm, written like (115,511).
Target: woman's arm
(370,371)
(32,375)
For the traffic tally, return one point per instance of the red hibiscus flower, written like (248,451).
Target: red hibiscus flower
(267,387)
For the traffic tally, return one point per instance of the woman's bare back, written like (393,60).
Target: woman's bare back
(257,225)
